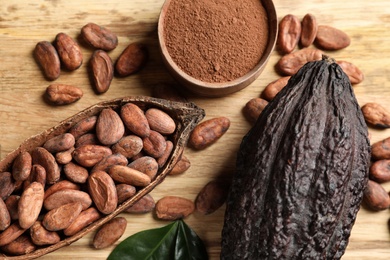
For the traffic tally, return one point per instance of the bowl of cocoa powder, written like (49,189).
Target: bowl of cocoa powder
(215,48)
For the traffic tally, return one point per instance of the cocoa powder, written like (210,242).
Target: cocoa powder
(214,41)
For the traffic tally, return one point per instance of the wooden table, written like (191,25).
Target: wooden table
(23,112)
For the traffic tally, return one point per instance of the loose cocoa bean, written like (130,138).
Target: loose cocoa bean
(102,71)
(59,143)
(160,121)
(20,246)
(309,30)
(381,149)
(273,88)
(61,217)
(128,146)
(253,109)
(21,167)
(376,115)
(84,126)
(30,204)
(145,164)
(181,166)
(376,197)
(289,33)
(5,217)
(85,218)
(63,94)
(75,173)
(107,162)
(155,144)
(109,233)
(380,171)
(67,196)
(135,120)
(109,127)
(173,208)
(61,185)
(330,38)
(289,64)
(354,74)
(40,236)
(211,197)
(44,158)
(99,37)
(88,155)
(47,58)
(132,59)
(127,175)
(69,51)
(144,205)
(208,132)
(125,192)
(102,189)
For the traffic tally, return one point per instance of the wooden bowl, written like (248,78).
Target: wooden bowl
(218,89)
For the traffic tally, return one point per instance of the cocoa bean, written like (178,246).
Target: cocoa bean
(7,185)
(64,157)
(12,205)
(75,173)
(181,166)
(290,63)
(109,127)
(102,71)
(20,246)
(155,144)
(211,197)
(330,38)
(145,164)
(21,167)
(376,197)
(109,233)
(164,158)
(380,171)
(376,115)
(62,94)
(107,162)
(208,132)
(99,37)
(44,158)
(309,30)
(47,58)
(289,33)
(128,146)
(125,192)
(381,149)
(88,155)
(84,126)
(61,217)
(273,88)
(354,74)
(11,233)
(127,175)
(59,143)
(40,236)
(132,59)
(30,204)
(135,120)
(102,189)
(85,218)
(160,121)
(144,205)
(61,185)
(69,51)
(253,109)
(67,196)
(5,217)
(173,208)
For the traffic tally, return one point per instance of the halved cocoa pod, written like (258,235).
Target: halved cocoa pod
(186,117)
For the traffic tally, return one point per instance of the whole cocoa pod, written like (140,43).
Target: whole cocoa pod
(301,172)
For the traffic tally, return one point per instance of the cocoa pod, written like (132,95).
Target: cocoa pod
(273,88)
(109,233)
(145,164)
(289,33)
(69,51)
(61,217)
(211,197)
(99,37)
(47,57)
(289,64)
(253,109)
(330,38)
(376,115)
(160,121)
(135,120)
(354,74)
(380,171)
(309,30)
(84,219)
(144,205)
(208,132)
(40,236)
(67,196)
(173,208)
(109,127)
(127,175)
(102,189)
(20,246)
(132,59)
(59,143)
(30,204)
(62,94)
(376,197)
(101,70)
(21,168)
(154,144)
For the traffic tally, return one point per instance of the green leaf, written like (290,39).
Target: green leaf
(176,241)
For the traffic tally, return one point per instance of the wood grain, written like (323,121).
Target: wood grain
(23,112)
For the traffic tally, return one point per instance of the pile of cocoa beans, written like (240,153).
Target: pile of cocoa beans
(65,53)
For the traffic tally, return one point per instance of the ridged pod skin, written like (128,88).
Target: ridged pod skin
(301,172)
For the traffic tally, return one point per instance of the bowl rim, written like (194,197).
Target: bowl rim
(248,78)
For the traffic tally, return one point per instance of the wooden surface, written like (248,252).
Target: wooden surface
(23,112)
